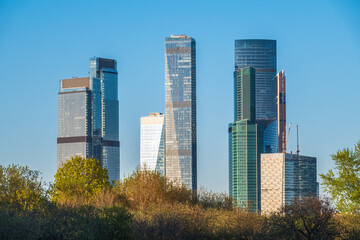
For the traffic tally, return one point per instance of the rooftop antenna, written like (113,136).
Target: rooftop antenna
(297,130)
(287,138)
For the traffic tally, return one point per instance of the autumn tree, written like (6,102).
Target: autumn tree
(144,188)
(21,189)
(343,184)
(305,218)
(79,180)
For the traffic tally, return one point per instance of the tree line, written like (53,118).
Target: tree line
(81,203)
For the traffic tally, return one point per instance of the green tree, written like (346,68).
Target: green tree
(21,189)
(344,185)
(79,180)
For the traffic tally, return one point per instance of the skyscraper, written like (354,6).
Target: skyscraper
(152,142)
(245,143)
(180,110)
(74,119)
(261,54)
(281,110)
(285,177)
(89,116)
(104,76)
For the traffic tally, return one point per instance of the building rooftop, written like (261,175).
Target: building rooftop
(83,82)
(179,36)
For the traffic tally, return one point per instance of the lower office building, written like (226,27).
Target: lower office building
(285,177)
(152,142)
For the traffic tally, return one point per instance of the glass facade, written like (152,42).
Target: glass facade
(74,121)
(100,116)
(261,54)
(180,110)
(152,142)
(285,177)
(246,142)
(244,94)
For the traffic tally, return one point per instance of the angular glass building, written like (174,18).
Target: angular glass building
(152,142)
(261,54)
(285,177)
(180,110)
(246,139)
(89,112)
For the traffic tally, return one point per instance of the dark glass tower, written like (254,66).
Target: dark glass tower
(261,54)
(180,110)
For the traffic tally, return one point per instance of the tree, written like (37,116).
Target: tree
(344,186)
(305,218)
(144,188)
(79,180)
(21,189)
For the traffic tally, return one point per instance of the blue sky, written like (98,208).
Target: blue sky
(42,42)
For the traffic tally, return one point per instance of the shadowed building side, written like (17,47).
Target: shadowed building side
(281,110)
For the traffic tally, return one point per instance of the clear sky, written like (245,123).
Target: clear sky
(41,42)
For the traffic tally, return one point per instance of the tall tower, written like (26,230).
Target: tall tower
(104,76)
(281,110)
(152,142)
(180,110)
(261,55)
(89,117)
(245,143)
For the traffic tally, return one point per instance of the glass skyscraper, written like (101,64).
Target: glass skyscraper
(180,110)
(74,119)
(245,143)
(261,54)
(89,112)
(285,177)
(152,142)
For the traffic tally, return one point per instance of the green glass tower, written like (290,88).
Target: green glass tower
(245,143)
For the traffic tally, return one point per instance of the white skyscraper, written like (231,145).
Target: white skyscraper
(152,144)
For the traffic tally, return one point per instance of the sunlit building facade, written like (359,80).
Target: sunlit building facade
(180,110)
(261,54)
(74,119)
(285,177)
(152,142)
(88,115)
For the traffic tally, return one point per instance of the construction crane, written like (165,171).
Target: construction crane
(287,138)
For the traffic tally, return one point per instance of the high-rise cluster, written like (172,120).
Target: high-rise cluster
(262,176)
(88,115)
